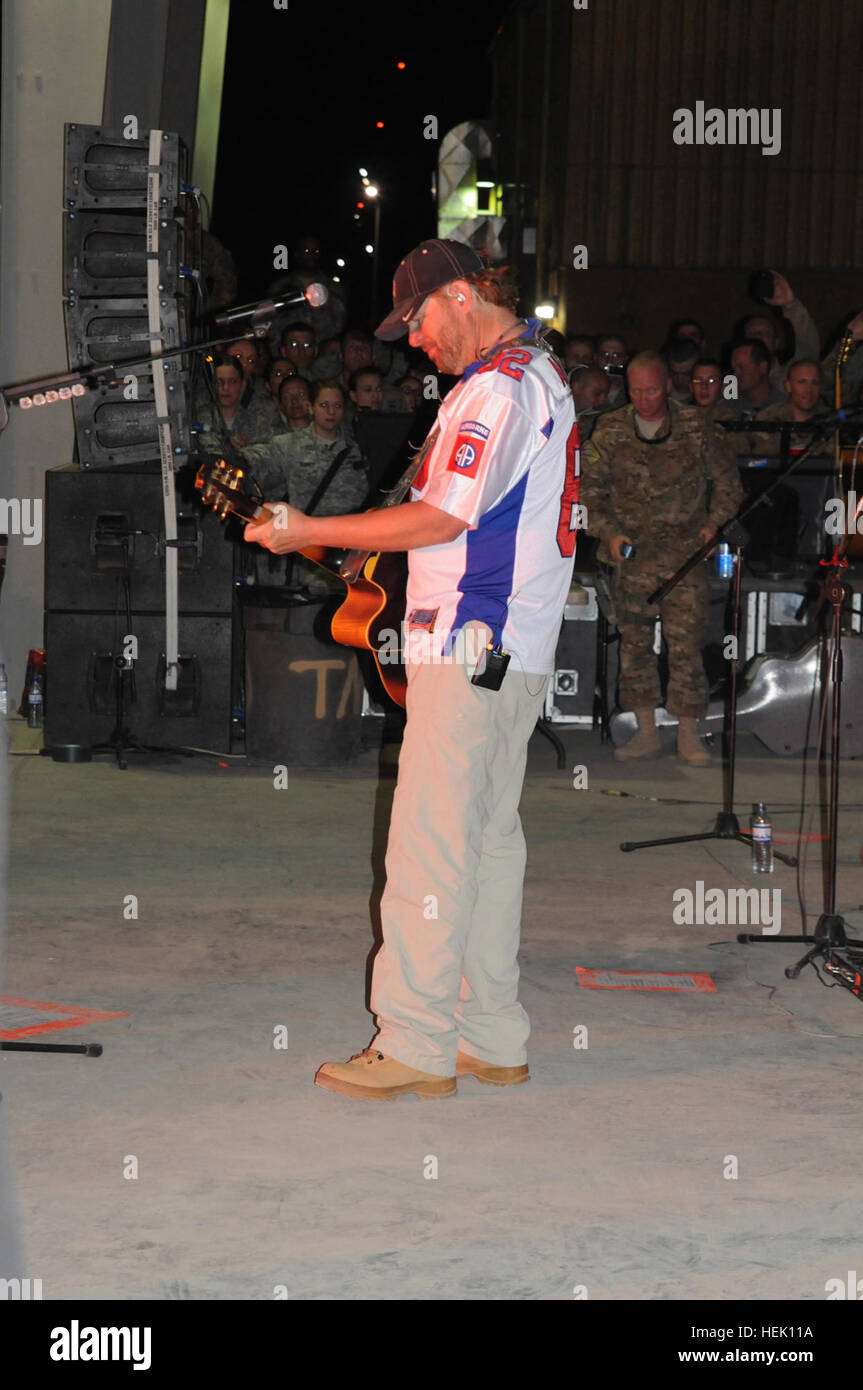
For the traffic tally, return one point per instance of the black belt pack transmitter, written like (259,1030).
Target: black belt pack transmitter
(490,677)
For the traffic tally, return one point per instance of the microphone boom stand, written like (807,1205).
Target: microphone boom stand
(830,928)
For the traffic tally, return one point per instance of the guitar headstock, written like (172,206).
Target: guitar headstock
(220,486)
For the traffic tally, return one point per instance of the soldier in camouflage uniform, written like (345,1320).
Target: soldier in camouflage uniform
(291,466)
(645,476)
(230,421)
(803,387)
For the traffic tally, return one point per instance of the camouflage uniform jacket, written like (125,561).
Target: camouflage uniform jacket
(250,423)
(771,444)
(293,464)
(655,491)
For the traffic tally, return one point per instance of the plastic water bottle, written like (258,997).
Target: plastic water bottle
(762,841)
(725,561)
(34,704)
(4,691)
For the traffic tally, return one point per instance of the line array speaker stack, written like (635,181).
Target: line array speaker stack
(139,582)
(128,288)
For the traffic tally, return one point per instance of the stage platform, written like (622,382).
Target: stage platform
(701,1145)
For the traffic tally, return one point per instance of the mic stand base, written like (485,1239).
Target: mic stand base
(726,827)
(829,935)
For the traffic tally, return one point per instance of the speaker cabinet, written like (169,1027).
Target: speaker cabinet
(572,688)
(106,528)
(106,255)
(105,170)
(107,305)
(93,659)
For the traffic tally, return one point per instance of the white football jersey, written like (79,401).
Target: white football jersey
(506,461)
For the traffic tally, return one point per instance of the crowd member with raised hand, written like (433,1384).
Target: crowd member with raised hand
(767,329)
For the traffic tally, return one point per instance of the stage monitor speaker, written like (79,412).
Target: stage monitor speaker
(105,527)
(87,661)
(572,688)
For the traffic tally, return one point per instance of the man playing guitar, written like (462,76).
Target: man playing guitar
(490,536)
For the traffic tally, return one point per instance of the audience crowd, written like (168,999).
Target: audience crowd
(288,404)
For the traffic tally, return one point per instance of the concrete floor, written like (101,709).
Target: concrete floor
(606,1171)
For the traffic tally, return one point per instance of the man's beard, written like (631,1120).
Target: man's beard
(449,352)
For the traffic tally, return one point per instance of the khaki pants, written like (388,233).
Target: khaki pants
(451,910)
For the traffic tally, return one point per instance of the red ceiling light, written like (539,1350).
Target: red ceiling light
(379,124)
(401,66)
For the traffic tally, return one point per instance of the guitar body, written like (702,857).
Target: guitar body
(371,617)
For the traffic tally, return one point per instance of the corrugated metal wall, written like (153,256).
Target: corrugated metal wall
(613,177)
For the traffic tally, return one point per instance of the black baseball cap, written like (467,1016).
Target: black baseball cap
(428,267)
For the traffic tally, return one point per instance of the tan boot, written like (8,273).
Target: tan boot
(370,1075)
(690,749)
(646,741)
(466,1065)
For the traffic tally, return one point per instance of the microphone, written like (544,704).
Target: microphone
(262,314)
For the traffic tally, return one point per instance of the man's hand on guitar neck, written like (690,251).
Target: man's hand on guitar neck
(407,527)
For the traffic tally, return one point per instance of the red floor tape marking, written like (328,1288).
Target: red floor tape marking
(641,979)
(14,1012)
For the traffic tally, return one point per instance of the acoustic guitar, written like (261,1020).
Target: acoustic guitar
(371,615)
